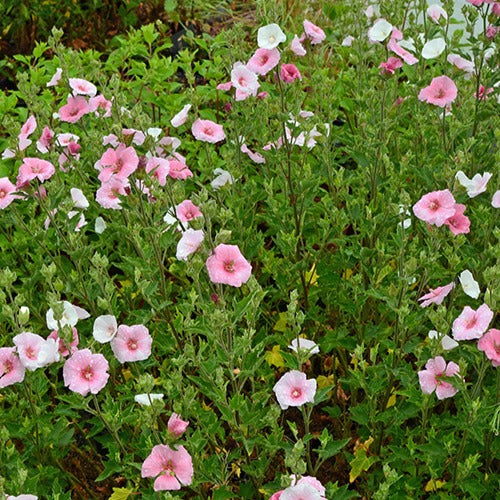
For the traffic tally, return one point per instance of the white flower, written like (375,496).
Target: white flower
(189,243)
(181,117)
(69,317)
(461,63)
(147,399)
(474,186)
(299,491)
(223,178)
(100,225)
(406,223)
(79,198)
(304,345)
(433,48)
(435,11)
(270,36)
(105,328)
(347,41)
(447,342)
(379,31)
(469,285)
(495,201)
(154,132)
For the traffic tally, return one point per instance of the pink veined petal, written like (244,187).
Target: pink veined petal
(166,482)
(445,390)
(427,381)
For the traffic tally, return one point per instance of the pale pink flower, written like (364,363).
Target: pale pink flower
(347,41)
(45,140)
(69,317)
(441,92)
(174,468)
(179,170)
(26,130)
(105,328)
(222,178)
(289,73)
(85,372)
(208,131)
(433,378)
(228,266)
(76,107)
(188,244)
(35,351)
(132,343)
(224,86)
(100,105)
(6,190)
(313,32)
(255,157)
(62,348)
(435,12)
(35,168)
(293,389)
(120,162)
(461,63)
(436,295)
(495,201)
(389,66)
(478,3)
(108,194)
(263,61)
(489,343)
(81,312)
(159,168)
(304,345)
(138,137)
(11,368)
(302,491)
(55,78)
(187,211)
(176,426)
(407,57)
(310,480)
(82,87)
(79,199)
(472,324)
(244,80)
(380,30)
(474,186)
(435,207)
(181,117)
(297,47)
(458,222)
(270,36)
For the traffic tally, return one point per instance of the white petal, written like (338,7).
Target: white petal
(469,285)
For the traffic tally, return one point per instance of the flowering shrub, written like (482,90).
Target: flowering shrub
(211,279)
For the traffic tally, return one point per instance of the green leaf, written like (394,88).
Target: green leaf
(332,448)
(110,468)
(120,494)
(170,5)
(360,463)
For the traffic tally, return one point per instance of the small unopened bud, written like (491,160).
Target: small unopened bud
(23,315)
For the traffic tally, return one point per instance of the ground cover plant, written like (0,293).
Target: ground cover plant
(266,267)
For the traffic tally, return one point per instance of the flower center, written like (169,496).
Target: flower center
(440,93)
(471,323)
(296,393)
(169,468)
(229,266)
(434,205)
(8,366)
(87,373)
(30,353)
(272,38)
(132,344)
(3,194)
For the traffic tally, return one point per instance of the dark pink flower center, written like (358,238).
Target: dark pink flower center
(440,93)
(87,373)
(434,205)
(471,323)
(8,366)
(296,393)
(36,169)
(132,344)
(208,131)
(229,266)
(168,467)
(3,194)
(30,353)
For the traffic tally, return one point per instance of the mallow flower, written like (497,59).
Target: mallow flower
(435,375)
(270,36)
(294,389)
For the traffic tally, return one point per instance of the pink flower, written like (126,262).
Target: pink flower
(26,130)
(293,389)
(390,65)
(228,266)
(138,137)
(313,32)
(289,73)
(435,12)
(458,222)
(176,426)
(297,47)
(302,491)
(43,143)
(437,295)
(100,102)
(224,86)
(483,93)
(74,109)
(255,157)
(11,368)
(244,80)
(82,87)
(55,78)
(181,117)
(108,194)
(461,63)
(187,210)
(63,350)
(121,162)
(489,343)
(174,468)
(435,207)
(263,61)
(311,481)
(474,186)
(6,190)
(159,168)
(407,57)
(179,170)
(132,343)
(495,201)
(85,372)
(441,92)
(472,324)
(189,243)
(433,377)
(208,131)
(35,168)
(34,351)
(491,32)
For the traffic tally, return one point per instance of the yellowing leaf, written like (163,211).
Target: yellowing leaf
(311,276)
(392,400)
(127,374)
(325,381)
(120,494)
(363,446)
(280,325)
(347,274)
(274,357)
(360,463)
(236,470)
(434,485)
(205,406)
